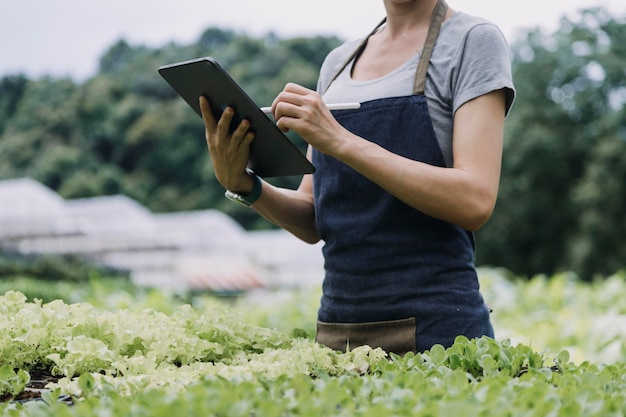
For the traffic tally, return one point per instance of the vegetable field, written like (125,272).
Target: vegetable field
(560,350)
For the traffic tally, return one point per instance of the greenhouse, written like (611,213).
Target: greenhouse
(201,249)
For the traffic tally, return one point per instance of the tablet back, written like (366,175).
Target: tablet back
(272,154)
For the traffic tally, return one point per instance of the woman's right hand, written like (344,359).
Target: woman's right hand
(229,152)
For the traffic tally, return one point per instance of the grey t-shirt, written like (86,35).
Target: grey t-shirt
(471,58)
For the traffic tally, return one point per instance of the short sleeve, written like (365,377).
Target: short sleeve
(485,66)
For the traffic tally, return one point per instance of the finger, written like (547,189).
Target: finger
(289,105)
(296,88)
(292,93)
(284,123)
(247,139)
(291,98)
(223,125)
(207,113)
(239,134)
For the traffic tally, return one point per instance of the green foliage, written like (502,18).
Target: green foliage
(118,346)
(11,90)
(125,131)
(207,360)
(562,185)
(289,311)
(12,382)
(560,312)
(53,268)
(549,313)
(100,289)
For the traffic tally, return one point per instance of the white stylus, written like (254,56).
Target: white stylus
(334,106)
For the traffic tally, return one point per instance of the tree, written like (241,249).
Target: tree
(126,131)
(561,192)
(11,91)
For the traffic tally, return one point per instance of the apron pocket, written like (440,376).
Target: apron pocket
(393,336)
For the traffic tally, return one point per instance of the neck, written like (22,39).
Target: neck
(408,16)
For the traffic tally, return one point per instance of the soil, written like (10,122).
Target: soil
(35,387)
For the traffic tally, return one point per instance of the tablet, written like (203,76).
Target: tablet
(272,154)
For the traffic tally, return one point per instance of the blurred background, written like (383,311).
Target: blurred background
(104,169)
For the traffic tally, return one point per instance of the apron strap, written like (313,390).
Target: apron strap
(355,54)
(431,38)
(422,68)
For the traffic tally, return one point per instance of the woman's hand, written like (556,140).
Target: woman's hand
(229,152)
(303,110)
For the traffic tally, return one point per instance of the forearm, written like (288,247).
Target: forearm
(465,194)
(449,194)
(291,210)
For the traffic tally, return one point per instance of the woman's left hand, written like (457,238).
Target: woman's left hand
(304,111)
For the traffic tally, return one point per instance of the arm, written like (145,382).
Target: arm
(290,209)
(464,194)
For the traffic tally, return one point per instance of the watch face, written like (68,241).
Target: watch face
(237,198)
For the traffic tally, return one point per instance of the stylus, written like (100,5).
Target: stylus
(335,106)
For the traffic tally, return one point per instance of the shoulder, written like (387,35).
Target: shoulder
(472,58)
(463,31)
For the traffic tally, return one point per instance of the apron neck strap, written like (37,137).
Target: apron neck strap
(422,68)
(431,38)
(355,54)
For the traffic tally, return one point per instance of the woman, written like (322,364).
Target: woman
(400,184)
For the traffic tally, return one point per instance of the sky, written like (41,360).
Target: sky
(67,37)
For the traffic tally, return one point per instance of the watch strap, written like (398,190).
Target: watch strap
(257,187)
(250,198)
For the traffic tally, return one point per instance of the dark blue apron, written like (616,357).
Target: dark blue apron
(390,269)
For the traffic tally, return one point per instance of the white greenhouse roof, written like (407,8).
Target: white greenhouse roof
(110,215)
(28,208)
(205,249)
(25,198)
(200,229)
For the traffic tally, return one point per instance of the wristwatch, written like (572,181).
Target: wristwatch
(248,199)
